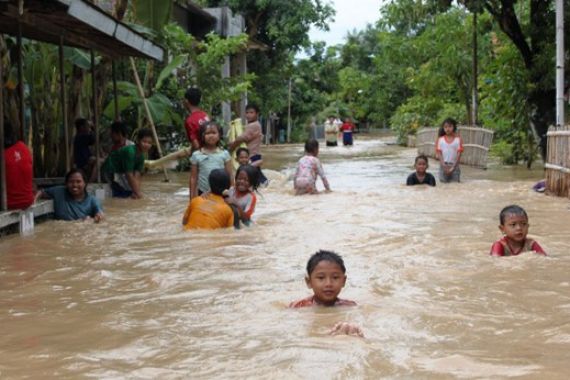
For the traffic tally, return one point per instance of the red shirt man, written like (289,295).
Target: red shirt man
(19,176)
(197,117)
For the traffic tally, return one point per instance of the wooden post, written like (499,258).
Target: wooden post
(475,92)
(115,91)
(226,106)
(63,99)
(22,108)
(95,115)
(289,115)
(148,114)
(3,200)
(243,98)
(560,56)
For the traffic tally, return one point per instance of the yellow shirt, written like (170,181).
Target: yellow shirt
(210,213)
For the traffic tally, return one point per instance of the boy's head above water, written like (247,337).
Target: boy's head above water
(514,223)
(144,139)
(326,276)
(219,181)
(312,147)
(242,156)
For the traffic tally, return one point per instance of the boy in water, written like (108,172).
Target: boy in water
(326,276)
(210,211)
(123,168)
(252,136)
(514,226)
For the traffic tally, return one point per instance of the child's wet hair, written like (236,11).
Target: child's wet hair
(144,133)
(120,127)
(311,146)
(421,157)
(252,175)
(511,210)
(323,255)
(241,149)
(204,127)
(219,181)
(74,171)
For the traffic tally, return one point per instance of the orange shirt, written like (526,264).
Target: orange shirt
(210,213)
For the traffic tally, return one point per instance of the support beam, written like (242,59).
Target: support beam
(289,114)
(148,114)
(95,115)
(115,91)
(63,99)
(226,106)
(475,81)
(22,105)
(560,117)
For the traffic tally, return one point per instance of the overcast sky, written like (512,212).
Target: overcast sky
(350,15)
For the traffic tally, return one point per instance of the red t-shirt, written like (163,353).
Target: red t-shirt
(193,123)
(19,176)
(347,127)
(502,248)
(311,301)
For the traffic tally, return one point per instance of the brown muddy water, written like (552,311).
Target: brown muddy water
(137,297)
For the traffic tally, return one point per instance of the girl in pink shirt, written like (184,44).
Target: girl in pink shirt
(308,169)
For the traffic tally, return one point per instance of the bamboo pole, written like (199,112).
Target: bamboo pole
(148,114)
(20,73)
(115,91)
(63,99)
(560,56)
(95,115)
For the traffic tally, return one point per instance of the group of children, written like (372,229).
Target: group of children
(333,126)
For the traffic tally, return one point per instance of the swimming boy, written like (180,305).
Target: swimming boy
(210,211)
(326,276)
(123,168)
(514,226)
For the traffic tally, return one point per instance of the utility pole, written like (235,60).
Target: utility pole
(289,115)
(475,92)
(560,119)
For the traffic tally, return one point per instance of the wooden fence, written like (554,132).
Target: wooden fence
(476,143)
(558,162)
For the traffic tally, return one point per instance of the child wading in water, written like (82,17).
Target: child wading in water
(123,167)
(210,211)
(514,226)
(72,202)
(420,176)
(308,168)
(326,276)
(448,150)
(209,157)
(242,194)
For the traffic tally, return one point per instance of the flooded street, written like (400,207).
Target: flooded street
(138,297)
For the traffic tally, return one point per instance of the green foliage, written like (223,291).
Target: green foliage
(152,13)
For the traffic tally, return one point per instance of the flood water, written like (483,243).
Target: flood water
(137,297)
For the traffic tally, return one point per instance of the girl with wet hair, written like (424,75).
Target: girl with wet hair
(242,195)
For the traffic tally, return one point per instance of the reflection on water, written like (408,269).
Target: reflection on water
(137,297)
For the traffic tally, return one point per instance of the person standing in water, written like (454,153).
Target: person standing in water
(197,117)
(252,136)
(347,131)
(331,132)
(123,167)
(19,171)
(513,221)
(448,149)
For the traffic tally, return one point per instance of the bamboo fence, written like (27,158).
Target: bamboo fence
(558,162)
(476,143)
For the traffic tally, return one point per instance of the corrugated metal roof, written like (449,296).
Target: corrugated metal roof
(82,25)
